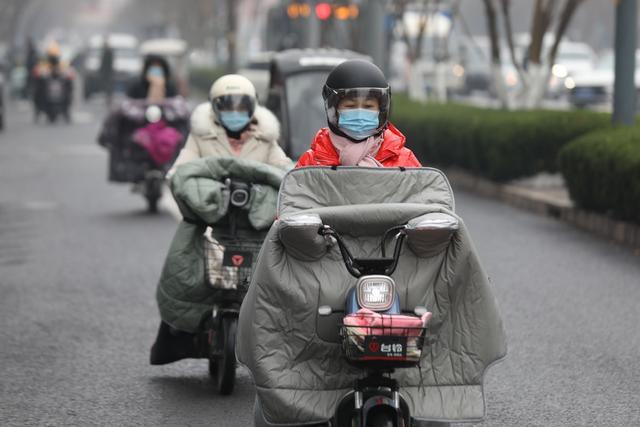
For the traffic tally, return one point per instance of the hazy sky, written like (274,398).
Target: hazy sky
(593,22)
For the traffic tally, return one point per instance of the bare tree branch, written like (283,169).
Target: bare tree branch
(231,36)
(421,28)
(565,18)
(493,30)
(542,14)
(10,12)
(400,9)
(467,32)
(506,12)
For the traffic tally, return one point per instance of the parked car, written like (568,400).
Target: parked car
(596,86)
(572,58)
(476,62)
(127,63)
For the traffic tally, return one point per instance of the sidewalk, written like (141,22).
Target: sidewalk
(547,195)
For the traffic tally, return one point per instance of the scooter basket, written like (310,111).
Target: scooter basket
(385,345)
(229,262)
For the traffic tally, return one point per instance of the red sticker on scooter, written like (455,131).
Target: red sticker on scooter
(374,346)
(233,258)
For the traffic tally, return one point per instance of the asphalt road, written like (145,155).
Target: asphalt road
(80,258)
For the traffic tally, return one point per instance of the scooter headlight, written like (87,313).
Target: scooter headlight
(377,293)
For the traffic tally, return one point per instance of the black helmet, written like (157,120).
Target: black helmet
(356,78)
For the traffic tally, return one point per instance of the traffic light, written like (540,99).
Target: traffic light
(323,10)
(344,12)
(298,10)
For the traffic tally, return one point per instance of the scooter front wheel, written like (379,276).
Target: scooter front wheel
(152,204)
(153,192)
(222,365)
(382,416)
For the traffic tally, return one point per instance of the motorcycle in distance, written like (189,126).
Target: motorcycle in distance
(52,95)
(143,139)
(231,248)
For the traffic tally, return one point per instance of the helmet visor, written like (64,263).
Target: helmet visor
(233,103)
(361,97)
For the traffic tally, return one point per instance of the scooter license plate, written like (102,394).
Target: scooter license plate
(385,346)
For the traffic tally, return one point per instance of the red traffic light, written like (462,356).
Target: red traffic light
(323,11)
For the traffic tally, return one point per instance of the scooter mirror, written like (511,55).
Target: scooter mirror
(430,234)
(153,114)
(300,238)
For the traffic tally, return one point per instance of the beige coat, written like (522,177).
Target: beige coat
(208,138)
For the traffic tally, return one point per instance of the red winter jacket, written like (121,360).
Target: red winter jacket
(392,152)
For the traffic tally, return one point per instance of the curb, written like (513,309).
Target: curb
(544,204)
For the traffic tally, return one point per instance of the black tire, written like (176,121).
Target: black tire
(152,204)
(213,367)
(86,92)
(52,116)
(225,363)
(153,192)
(1,121)
(381,416)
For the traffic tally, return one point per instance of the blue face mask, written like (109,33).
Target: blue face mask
(234,120)
(358,123)
(155,71)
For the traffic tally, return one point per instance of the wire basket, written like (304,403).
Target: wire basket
(382,342)
(229,262)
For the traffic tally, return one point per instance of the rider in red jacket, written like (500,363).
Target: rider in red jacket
(357,103)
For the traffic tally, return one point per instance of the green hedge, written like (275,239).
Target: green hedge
(602,171)
(500,145)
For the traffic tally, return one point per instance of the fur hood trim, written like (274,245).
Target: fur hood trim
(205,123)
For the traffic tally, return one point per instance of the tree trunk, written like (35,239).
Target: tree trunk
(231,36)
(416,86)
(565,18)
(496,62)
(499,85)
(538,78)
(542,14)
(539,73)
(506,6)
